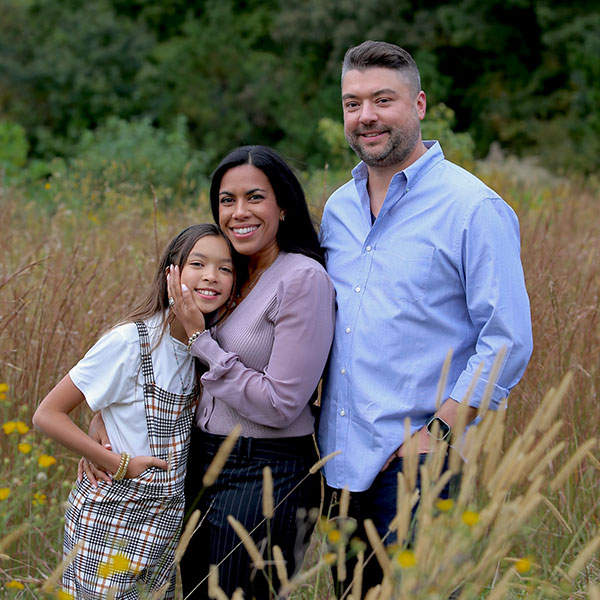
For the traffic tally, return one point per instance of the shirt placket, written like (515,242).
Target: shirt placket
(360,289)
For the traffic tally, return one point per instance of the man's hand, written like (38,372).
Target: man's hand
(422,437)
(448,411)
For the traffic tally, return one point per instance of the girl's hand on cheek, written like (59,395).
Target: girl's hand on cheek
(184,307)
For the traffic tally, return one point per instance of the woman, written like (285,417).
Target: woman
(263,364)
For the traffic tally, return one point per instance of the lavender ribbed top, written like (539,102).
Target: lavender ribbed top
(265,360)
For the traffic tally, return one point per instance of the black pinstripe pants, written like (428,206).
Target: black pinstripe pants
(238,492)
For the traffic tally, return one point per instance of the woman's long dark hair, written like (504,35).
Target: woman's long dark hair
(297,232)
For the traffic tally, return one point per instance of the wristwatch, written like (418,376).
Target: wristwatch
(444,431)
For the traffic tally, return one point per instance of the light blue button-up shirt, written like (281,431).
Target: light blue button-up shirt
(439,269)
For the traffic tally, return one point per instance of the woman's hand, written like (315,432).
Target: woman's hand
(139,464)
(182,304)
(97,431)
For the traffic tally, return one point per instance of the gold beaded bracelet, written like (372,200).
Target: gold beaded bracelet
(193,338)
(122,470)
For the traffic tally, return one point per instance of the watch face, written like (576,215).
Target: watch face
(438,428)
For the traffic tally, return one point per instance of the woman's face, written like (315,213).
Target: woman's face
(248,211)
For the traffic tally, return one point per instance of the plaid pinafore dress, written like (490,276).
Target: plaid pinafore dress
(130,528)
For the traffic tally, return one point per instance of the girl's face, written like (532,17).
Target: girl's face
(208,273)
(248,211)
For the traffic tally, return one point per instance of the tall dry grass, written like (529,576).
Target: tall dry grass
(66,276)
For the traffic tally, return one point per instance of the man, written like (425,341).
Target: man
(424,258)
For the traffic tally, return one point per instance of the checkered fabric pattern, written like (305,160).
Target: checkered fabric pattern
(130,528)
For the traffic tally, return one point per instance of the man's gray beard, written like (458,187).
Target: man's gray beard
(399,147)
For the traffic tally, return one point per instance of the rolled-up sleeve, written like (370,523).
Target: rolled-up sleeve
(497,301)
(303,333)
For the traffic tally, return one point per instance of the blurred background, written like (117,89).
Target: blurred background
(113,113)
(158,91)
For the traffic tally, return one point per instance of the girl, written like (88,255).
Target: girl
(141,377)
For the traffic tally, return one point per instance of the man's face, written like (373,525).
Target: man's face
(382,116)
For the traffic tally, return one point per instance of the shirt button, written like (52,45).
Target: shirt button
(343,371)
(342,413)
(348,330)
(368,248)
(357,289)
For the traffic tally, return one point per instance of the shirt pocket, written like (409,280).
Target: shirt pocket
(405,270)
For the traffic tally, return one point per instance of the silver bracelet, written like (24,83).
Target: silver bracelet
(193,338)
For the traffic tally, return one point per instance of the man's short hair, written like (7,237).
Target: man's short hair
(383,54)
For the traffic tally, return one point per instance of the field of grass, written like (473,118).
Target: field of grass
(526,524)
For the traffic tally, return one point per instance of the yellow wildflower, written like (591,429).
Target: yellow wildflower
(117,563)
(16,585)
(4,493)
(523,565)
(325,524)
(39,498)
(47,185)
(406,559)
(60,595)
(3,390)
(444,505)
(9,427)
(105,570)
(45,461)
(24,448)
(470,517)
(334,536)
(330,557)
(121,563)
(22,428)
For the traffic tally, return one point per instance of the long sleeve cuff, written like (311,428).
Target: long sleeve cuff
(208,351)
(459,391)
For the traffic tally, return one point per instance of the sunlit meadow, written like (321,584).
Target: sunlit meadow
(525,524)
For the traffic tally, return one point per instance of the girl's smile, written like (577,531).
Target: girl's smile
(208,272)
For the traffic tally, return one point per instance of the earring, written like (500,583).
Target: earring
(282,217)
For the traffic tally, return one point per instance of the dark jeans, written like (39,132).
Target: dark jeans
(238,492)
(377,503)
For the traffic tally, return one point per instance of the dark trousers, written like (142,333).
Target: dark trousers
(377,503)
(238,492)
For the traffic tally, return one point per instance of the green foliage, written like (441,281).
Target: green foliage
(127,156)
(220,76)
(15,169)
(332,132)
(13,145)
(138,153)
(457,147)
(525,74)
(67,66)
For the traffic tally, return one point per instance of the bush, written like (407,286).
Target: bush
(13,147)
(457,147)
(126,158)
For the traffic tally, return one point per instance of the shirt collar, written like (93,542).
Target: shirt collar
(413,172)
